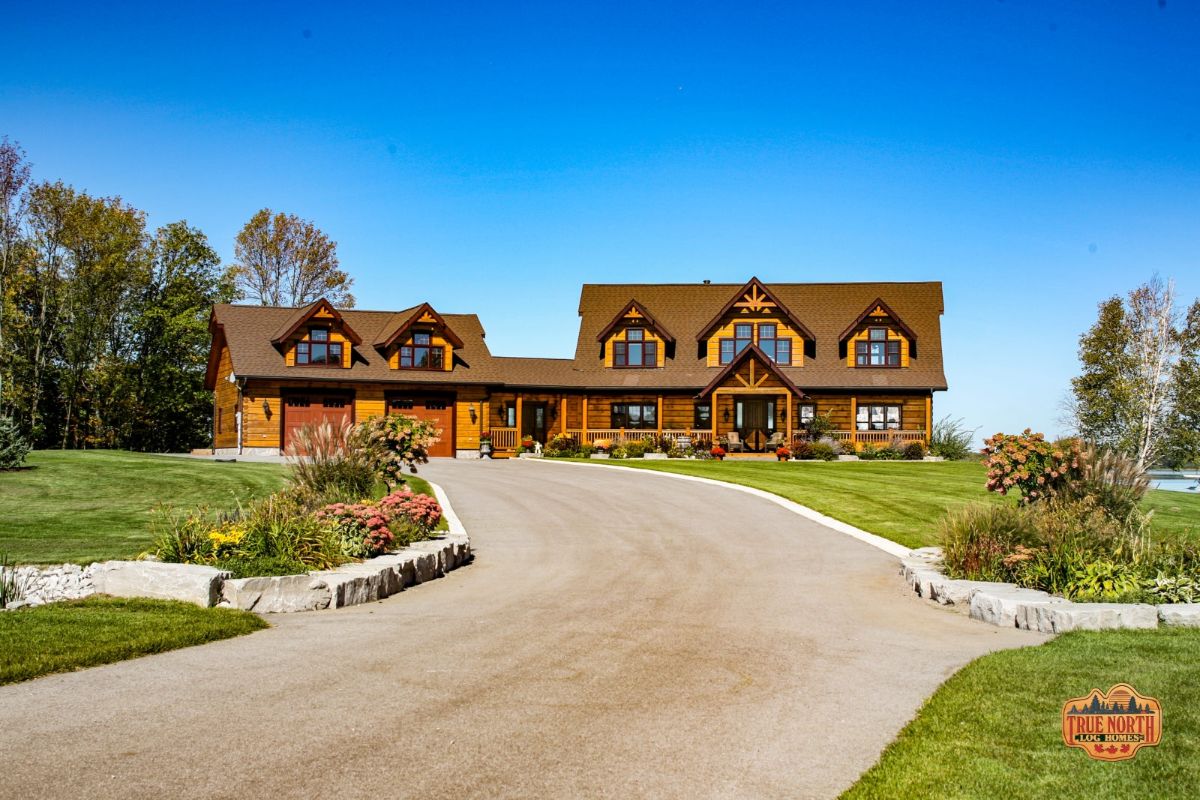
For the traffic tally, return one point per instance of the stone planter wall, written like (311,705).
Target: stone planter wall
(1029,609)
(52,584)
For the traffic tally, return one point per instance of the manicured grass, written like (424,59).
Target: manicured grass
(61,637)
(994,729)
(894,499)
(84,506)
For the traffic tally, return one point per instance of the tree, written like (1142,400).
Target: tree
(14,177)
(173,410)
(1125,398)
(1183,438)
(283,260)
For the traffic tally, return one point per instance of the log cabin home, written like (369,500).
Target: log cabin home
(753,364)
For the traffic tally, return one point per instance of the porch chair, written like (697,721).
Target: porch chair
(774,442)
(735,442)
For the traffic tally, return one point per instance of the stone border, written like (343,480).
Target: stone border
(350,584)
(886,545)
(1010,606)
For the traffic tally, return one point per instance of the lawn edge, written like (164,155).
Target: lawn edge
(875,540)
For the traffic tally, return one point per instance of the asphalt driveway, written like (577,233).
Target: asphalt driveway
(620,634)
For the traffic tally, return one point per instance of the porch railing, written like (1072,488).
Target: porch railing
(504,438)
(876,438)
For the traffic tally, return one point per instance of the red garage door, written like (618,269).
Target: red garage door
(438,410)
(304,409)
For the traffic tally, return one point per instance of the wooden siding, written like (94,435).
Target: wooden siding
(224,403)
(467,430)
(784,331)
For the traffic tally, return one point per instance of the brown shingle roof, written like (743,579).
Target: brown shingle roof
(825,309)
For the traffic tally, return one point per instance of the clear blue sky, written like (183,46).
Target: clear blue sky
(1035,156)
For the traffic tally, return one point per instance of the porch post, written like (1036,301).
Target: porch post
(713,403)
(854,422)
(789,419)
(562,411)
(658,416)
(584,436)
(520,418)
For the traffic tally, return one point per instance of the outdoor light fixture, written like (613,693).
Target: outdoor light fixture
(725,414)
(266,408)
(471,408)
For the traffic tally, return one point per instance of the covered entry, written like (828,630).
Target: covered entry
(437,409)
(306,408)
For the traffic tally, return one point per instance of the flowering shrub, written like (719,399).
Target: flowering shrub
(225,541)
(420,511)
(717,451)
(363,528)
(802,450)
(783,454)
(394,442)
(562,446)
(1029,465)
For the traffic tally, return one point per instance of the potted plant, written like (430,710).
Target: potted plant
(783,454)
(485,446)
(717,452)
(527,443)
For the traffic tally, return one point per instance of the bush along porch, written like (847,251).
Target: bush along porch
(752,368)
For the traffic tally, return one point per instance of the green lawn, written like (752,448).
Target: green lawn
(994,729)
(61,637)
(88,505)
(894,499)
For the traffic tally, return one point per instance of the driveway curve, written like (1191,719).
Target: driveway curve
(620,634)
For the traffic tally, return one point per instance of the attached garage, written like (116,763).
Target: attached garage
(305,408)
(437,409)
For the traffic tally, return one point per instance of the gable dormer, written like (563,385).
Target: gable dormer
(317,336)
(755,316)
(419,339)
(878,338)
(634,339)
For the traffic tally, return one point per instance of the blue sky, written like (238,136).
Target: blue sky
(1036,157)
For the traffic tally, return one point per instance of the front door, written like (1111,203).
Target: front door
(533,421)
(754,420)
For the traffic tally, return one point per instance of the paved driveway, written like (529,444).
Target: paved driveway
(620,634)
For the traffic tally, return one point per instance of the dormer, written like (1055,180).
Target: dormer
(317,336)
(418,339)
(755,316)
(878,339)
(634,339)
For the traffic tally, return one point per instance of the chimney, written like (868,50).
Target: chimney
(707,281)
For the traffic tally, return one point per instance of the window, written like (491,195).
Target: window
(806,413)
(422,353)
(317,351)
(635,351)
(877,350)
(778,350)
(702,417)
(400,404)
(878,418)
(509,414)
(743,334)
(634,415)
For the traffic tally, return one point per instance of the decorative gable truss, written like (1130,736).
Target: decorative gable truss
(878,338)
(419,339)
(634,338)
(317,336)
(755,315)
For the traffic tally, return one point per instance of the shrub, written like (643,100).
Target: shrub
(283,524)
(181,538)
(561,446)
(411,516)
(914,451)
(868,452)
(783,453)
(822,451)
(717,451)
(1031,466)
(1104,581)
(979,542)
(586,450)
(328,459)
(396,442)
(889,454)
(820,426)
(13,445)
(951,439)
(802,450)
(1113,480)
(635,449)
(362,528)
(1165,588)
(10,590)
(261,566)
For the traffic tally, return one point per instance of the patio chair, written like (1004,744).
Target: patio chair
(735,443)
(775,442)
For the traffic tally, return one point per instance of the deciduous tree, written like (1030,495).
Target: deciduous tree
(283,260)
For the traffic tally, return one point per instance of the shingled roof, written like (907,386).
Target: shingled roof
(825,309)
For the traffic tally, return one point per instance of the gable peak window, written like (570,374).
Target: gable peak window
(778,350)
(743,335)
(636,352)
(877,350)
(315,350)
(422,353)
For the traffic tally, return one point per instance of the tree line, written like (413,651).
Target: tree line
(1139,389)
(104,334)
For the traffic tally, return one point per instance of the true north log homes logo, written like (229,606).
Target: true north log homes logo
(1112,725)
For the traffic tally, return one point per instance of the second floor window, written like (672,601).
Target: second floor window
(743,333)
(317,351)
(634,415)
(421,353)
(635,351)
(877,350)
(778,350)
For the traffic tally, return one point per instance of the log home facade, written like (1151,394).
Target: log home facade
(753,363)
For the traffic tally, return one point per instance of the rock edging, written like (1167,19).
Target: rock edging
(1008,605)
